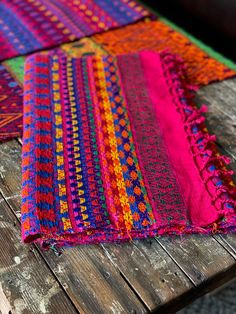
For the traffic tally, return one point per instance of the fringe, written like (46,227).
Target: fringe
(212,166)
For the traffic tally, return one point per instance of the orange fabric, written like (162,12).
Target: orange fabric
(157,36)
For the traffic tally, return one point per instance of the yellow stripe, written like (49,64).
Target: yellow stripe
(59,146)
(113,145)
(74,121)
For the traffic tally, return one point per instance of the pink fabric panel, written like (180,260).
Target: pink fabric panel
(198,201)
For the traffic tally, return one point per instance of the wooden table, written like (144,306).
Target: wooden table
(161,274)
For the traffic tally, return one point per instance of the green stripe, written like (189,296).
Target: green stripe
(16,67)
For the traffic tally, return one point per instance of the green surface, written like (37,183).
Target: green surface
(16,67)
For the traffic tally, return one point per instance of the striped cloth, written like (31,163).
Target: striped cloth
(114,149)
(201,67)
(29,25)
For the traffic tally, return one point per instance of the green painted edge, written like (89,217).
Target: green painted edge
(16,67)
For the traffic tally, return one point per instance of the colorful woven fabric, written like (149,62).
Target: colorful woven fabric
(11,85)
(157,35)
(115,149)
(201,68)
(29,25)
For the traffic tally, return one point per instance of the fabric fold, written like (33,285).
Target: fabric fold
(114,149)
(201,67)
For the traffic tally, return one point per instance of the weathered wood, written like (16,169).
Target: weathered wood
(26,283)
(159,272)
(228,242)
(91,281)
(231,241)
(221,95)
(201,258)
(221,118)
(150,271)
(91,258)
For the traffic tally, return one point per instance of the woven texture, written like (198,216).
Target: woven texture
(111,154)
(201,68)
(29,25)
(158,36)
(11,98)
(11,85)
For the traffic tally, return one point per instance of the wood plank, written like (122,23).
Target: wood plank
(221,117)
(152,301)
(150,271)
(231,241)
(228,241)
(23,289)
(91,281)
(198,275)
(98,262)
(221,120)
(200,257)
(221,95)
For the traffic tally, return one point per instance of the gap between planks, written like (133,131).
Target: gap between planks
(223,243)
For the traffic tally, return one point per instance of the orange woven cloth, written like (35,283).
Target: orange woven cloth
(157,36)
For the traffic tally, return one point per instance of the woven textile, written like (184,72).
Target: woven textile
(157,35)
(11,85)
(29,25)
(11,98)
(115,149)
(201,68)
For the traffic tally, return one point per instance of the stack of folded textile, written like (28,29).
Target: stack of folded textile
(114,147)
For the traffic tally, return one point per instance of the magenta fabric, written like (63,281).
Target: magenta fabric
(180,140)
(115,149)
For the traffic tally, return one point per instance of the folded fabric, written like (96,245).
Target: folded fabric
(201,67)
(29,25)
(11,85)
(114,149)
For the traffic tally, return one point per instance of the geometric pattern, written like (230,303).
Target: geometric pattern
(201,69)
(27,25)
(11,99)
(115,149)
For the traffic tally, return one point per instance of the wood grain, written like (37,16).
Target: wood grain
(221,120)
(146,285)
(26,284)
(91,281)
(156,274)
(158,293)
(200,257)
(150,271)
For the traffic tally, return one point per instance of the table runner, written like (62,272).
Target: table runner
(11,85)
(202,69)
(29,25)
(114,149)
